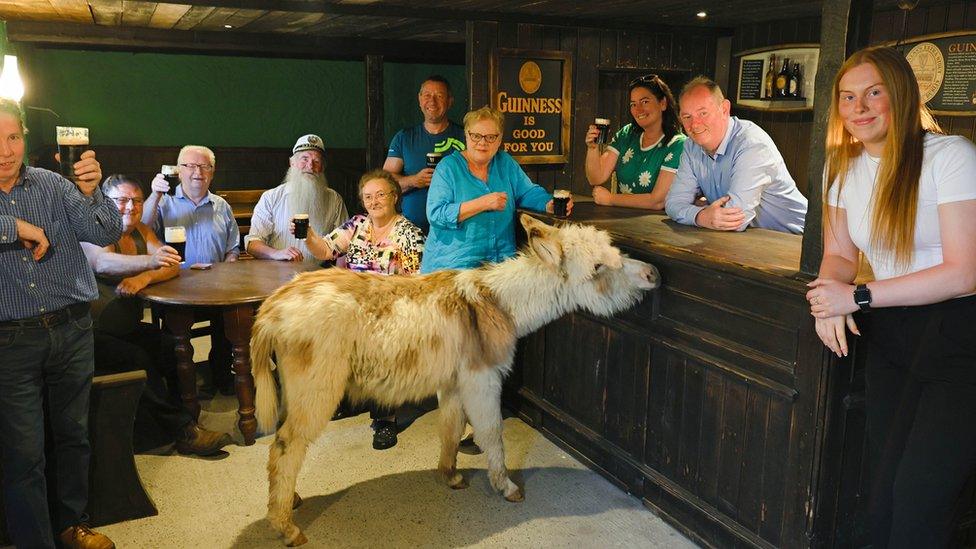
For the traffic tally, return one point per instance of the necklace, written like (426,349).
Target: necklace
(379,233)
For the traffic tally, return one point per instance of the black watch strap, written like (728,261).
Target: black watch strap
(862,296)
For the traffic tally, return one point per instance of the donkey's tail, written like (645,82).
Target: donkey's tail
(266,398)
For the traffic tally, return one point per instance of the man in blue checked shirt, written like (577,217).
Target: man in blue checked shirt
(46,336)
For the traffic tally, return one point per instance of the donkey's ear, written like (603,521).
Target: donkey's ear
(542,241)
(531,224)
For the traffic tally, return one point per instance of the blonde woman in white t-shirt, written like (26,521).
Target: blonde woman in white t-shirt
(904,195)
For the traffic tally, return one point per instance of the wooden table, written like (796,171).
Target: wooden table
(236,288)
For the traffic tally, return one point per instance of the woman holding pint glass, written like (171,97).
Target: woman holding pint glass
(644,153)
(904,195)
(473,197)
(382,241)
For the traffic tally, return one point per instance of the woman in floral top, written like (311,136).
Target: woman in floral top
(645,153)
(382,241)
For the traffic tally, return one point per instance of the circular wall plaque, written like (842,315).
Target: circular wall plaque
(929,66)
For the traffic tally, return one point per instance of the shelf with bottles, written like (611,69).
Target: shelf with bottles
(777,78)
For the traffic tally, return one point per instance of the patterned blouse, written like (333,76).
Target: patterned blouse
(398,253)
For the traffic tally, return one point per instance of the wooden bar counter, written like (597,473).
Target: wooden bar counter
(713,400)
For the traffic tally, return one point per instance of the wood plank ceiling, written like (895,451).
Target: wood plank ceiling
(400,30)
(431,20)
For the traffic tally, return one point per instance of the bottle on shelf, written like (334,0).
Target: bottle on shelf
(770,78)
(796,82)
(783,80)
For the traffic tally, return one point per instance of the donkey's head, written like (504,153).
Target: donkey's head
(596,276)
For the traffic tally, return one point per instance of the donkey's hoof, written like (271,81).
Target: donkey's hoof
(297,501)
(516,496)
(300,539)
(458,482)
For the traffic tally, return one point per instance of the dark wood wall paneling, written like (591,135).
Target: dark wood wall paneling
(790,131)
(958,16)
(238,168)
(593,50)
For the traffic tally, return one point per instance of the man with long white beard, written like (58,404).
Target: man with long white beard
(304,191)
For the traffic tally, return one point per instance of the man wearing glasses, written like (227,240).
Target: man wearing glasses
(212,235)
(407,157)
(304,191)
(122,341)
(735,165)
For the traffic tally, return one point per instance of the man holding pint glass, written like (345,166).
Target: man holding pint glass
(46,348)
(303,198)
(415,151)
(210,234)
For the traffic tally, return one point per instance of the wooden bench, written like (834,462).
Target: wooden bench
(115,492)
(242,202)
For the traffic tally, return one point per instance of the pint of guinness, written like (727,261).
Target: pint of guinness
(602,124)
(172,175)
(560,202)
(71,143)
(176,237)
(433,158)
(301,226)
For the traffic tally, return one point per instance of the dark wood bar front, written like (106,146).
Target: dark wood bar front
(713,400)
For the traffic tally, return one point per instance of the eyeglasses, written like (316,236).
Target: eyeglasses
(652,79)
(380,195)
(489,138)
(206,168)
(123,200)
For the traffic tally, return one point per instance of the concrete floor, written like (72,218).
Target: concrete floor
(355,496)
(358,497)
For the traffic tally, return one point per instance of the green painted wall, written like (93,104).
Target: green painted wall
(175,99)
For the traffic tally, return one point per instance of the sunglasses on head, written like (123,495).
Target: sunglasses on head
(646,79)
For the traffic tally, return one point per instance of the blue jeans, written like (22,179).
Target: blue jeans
(57,363)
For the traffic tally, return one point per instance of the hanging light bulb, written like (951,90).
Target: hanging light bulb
(11,86)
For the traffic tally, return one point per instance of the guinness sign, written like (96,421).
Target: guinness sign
(532,88)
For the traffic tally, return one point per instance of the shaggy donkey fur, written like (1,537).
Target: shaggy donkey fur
(398,339)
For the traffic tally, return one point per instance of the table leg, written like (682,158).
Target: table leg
(238,320)
(179,320)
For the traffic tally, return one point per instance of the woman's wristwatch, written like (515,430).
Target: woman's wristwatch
(862,296)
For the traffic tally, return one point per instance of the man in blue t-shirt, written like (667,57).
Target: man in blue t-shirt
(407,157)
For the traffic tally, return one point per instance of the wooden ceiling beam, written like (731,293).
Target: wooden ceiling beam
(388,10)
(230,43)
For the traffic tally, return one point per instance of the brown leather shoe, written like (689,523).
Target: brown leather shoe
(199,441)
(83,537)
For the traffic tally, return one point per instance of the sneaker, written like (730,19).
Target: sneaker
(83,537)
(385,435)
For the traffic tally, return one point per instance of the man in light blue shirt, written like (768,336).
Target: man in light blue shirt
(212,234)
(735,165)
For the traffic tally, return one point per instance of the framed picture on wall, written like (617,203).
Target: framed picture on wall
(945,67)
(533,88)
(777,78)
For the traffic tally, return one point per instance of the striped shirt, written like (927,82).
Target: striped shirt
(62,277)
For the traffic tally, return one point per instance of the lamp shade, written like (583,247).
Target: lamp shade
(11,86)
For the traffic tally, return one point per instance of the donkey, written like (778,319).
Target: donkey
(399,339)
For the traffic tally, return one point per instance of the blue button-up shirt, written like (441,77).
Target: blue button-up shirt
(487,237)
(62,277)
(211,230)
(749,169)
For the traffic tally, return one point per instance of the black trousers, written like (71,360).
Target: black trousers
(921,415)
(143,350)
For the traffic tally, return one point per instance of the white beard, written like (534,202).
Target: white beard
(308,193)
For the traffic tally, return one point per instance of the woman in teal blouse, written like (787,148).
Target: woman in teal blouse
(644,153)
(473,197)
